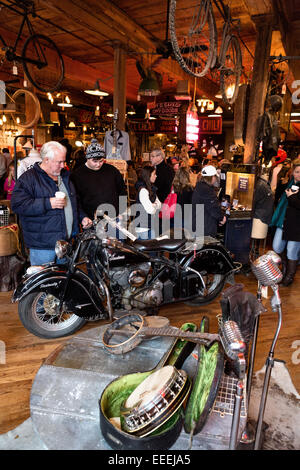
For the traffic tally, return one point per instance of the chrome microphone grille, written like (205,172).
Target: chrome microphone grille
(266,271)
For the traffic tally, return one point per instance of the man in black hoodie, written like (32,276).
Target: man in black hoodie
(97,182)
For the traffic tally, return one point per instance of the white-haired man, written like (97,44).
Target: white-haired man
(44,217)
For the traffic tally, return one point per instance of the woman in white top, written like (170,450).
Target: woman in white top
(28,162)
(148,202)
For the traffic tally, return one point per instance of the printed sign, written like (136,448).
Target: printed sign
(243,184)
(167,107)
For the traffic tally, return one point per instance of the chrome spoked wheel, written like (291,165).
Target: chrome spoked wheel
(39,313)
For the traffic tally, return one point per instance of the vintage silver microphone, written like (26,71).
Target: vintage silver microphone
(231,339)
(267,272)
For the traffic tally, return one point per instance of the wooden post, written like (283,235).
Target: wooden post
(259,83)
(30,109)
(119,101)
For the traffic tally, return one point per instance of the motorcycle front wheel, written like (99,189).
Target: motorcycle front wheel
(214,284)
(39,314)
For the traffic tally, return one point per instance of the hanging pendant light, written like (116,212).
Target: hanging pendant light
(96,91)
(65,102)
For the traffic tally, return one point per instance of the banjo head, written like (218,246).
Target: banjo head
(110,404)
(155,400)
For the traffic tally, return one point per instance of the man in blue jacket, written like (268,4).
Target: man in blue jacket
(44,217)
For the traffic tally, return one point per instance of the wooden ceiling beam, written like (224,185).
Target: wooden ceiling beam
(106,20)
(255,7)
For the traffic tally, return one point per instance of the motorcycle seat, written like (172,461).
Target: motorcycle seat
(168,244)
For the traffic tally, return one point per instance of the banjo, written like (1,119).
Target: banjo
(155,400)
(154,397)
(125,333)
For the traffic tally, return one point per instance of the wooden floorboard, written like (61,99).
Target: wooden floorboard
(25,352)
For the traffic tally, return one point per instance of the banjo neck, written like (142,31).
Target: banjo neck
(178,333)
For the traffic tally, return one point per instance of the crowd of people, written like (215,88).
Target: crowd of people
(54,197)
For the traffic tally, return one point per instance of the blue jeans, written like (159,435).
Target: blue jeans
(38,257)
(147,235)
(292,248)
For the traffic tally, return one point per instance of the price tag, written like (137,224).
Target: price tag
(264,292)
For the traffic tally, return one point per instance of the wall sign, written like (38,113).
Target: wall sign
(210,125)
(162,126)
(243,184)
(167,107)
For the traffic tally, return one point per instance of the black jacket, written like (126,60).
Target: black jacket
(165,175)
(205,194)
(263,201)
(103,186)
(291,224)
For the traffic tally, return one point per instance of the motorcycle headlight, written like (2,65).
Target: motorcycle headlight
(62,248)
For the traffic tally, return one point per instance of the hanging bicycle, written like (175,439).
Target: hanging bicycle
(41,59)
(195,44)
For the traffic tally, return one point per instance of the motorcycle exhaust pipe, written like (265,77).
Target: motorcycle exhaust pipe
(109,304)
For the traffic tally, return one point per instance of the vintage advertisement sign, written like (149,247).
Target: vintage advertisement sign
(162,126)
(166,107)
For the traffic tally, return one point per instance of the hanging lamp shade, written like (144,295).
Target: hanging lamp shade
(96,90)
(149,87)
(65,102)
(28,145)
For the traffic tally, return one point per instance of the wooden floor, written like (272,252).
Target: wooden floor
(25,353)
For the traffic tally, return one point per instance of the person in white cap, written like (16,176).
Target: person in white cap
(205,194)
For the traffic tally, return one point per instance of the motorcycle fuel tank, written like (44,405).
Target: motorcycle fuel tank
(122,255)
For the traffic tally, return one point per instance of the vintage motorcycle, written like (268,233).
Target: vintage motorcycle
(101,276)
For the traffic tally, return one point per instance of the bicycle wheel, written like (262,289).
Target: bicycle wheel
(28,108)
(231,69)
(43,63)
(194,41)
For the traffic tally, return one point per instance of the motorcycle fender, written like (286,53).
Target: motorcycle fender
(82,296)
(212,259)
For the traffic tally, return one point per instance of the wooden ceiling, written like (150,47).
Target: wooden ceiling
(88,31)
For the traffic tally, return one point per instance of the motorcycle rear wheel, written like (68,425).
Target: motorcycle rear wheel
(215,283)
(37,312)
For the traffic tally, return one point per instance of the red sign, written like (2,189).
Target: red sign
(166,126)
(210,125)
(85,116)
(142,126)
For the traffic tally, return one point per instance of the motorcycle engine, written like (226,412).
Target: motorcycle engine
(131,281)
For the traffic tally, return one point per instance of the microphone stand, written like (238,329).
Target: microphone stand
(237,410)
(249,433)
(276,307)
